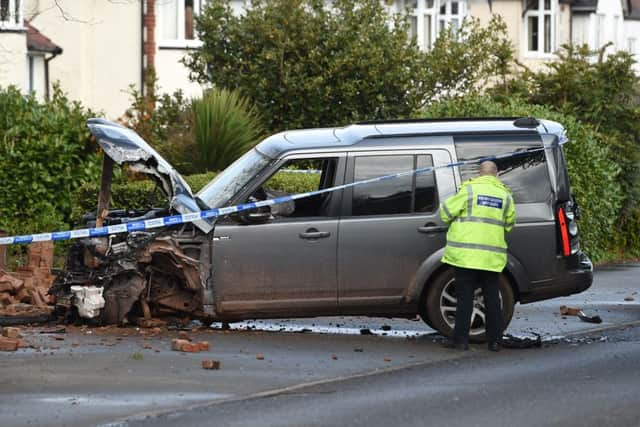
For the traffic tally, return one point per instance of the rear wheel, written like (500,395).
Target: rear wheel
(440,306)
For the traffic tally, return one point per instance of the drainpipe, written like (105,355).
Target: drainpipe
(142,59)
(55,53)
(148,42)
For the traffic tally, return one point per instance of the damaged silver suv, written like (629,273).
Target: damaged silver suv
(370,249)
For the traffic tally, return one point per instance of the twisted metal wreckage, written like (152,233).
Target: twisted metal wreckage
(143,273)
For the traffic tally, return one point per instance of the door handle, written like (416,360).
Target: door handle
(313,233)
(431,227)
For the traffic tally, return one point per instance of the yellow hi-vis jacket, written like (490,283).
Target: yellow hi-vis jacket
(479,217)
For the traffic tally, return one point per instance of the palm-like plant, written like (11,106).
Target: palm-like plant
(225,126)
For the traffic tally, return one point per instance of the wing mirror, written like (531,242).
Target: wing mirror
(255,217)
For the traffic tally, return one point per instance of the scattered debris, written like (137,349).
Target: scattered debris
(260,356)
(11,332)
(151,323)
(569,311)
(187,346)
(23,294)
(9,344)
(54,331)
(11,339)
(210,364)
(177,344)
(572,311)
(510,341)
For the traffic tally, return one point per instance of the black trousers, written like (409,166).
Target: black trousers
(467,281)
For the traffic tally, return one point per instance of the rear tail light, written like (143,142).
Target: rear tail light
(564,232)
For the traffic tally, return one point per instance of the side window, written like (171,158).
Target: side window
(527,176)
(402,195)
(300,176)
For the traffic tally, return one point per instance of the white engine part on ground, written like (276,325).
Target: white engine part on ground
(88,300)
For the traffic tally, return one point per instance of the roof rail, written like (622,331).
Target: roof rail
(441,119)
(527,122)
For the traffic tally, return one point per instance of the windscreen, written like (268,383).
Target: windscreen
(527,175)
(224,186)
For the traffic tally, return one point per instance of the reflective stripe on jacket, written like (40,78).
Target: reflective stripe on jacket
(479,216)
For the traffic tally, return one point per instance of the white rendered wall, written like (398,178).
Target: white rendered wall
(13,59)
(101,44)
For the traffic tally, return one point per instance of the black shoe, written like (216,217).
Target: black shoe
(494,346)
(456,345)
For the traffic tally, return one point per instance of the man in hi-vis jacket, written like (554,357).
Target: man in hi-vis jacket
(479,217)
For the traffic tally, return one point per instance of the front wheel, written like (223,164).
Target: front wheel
(440,306)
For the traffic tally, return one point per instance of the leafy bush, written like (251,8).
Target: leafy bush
(164,121)
(308,65)
(225,126)
(46,153)
(467,60)
(593,175)
(305,65)
(604,91)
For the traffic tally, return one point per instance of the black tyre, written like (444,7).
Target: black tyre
(440,306)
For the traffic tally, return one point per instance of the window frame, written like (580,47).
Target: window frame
(423,13)
(180,42)
(15,17)
(540,13)
(266,174)
(347,205)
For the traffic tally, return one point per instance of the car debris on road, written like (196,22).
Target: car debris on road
(571,311)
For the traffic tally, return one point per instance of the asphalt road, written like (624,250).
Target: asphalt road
(567,384)
(117,375)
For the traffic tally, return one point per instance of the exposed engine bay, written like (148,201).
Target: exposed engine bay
(121,278)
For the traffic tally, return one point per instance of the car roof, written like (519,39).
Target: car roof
(342,137)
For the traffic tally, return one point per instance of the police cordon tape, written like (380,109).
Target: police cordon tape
(172,220)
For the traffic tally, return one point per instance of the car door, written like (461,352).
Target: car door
(389,228)
(285,266)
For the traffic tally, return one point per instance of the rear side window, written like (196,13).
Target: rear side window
(403,195)
(526,175)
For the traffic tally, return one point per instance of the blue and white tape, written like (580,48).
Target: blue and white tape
(150,224)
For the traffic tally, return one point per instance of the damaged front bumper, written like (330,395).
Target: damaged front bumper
(117,279)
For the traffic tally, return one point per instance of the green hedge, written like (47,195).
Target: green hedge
(46,153)
(593,175)
(144,194)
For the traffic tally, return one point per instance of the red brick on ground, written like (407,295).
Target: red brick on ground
(210,364)
(204,345)
(9,344)
(11,332)
(178,344)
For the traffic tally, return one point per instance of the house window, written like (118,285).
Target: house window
(429,17)
(539,23)
(176,22)
(11,16)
